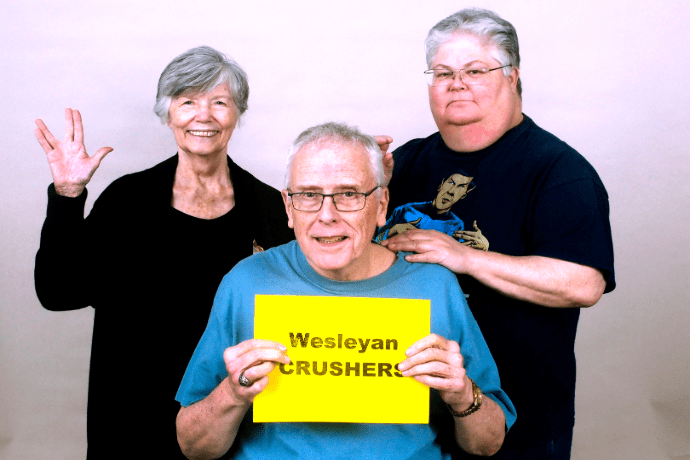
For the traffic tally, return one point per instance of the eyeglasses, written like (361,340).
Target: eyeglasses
(343,201)
(446,77)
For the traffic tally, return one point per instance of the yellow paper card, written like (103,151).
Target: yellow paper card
(344,353)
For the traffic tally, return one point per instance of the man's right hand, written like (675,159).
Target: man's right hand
(254,359)
(70,165)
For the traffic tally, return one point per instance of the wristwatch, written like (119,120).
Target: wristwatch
(476,404)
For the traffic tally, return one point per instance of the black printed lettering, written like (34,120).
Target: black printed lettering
(369,370)
(285,371)
(354,367)
(316,369)
(336,369)
(303,366)
(299,339)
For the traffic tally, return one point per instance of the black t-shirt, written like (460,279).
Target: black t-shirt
(528,194)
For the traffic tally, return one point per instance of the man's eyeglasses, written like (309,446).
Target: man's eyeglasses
(343,201)
(446,77)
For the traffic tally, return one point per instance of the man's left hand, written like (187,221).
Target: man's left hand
(437,363)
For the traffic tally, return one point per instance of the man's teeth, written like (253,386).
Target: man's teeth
(331,239)
(202,133)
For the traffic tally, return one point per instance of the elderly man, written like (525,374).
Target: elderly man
(539,204)
(334,198)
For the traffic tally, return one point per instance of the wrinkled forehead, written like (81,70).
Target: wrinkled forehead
(221,89)
(466,47)
(331,161)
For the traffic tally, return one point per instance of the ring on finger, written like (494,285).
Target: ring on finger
(243,380)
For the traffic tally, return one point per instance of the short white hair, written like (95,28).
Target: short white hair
(339,134)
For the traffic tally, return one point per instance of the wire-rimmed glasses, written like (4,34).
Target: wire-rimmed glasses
(343,201)
(471,76)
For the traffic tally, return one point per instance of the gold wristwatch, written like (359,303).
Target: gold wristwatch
(477,393)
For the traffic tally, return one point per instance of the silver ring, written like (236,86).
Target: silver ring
(244,381)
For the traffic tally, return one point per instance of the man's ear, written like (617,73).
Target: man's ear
(514,76)
(288,208)
(383,207)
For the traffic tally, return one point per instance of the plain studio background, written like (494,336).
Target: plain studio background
(609,78)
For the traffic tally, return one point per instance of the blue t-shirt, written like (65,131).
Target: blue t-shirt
(284,270)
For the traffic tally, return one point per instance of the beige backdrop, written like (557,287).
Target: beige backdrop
(609,78)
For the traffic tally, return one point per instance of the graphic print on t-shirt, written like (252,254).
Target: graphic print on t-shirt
(437,214)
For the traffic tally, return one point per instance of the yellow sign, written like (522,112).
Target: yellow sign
(344,353)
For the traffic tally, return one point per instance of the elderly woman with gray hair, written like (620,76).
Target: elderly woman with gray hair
(153,250)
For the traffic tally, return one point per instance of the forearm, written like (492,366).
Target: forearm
(207,428)
(540,280)
(483,432)
(62,270)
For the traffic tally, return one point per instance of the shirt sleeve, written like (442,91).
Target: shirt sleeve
(479,364)
(570,221)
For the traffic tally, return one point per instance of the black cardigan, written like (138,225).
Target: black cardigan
(150,272)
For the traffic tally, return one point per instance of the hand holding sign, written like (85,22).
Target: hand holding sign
(255,359)
(437,363)
(343,352)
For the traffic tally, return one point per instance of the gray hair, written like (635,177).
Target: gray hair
(333,133)
(484,24)
(200,69)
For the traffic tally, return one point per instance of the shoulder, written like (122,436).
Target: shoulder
(245,181)
(263,265)
(262,206)
(432,276)
(542,145)
(415,146)
(449,309)
(263,202)
(142,188)
(141,181)
(412,208)
(541,151)
(412,161)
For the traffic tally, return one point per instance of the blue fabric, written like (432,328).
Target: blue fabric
(285,271)
(428,217)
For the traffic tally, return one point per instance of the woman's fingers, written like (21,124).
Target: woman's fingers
(69,125)
(78,127)
(45,137)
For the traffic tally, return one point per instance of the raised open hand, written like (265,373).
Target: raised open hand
(70,165)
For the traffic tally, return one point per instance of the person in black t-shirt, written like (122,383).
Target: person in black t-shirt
(537,203)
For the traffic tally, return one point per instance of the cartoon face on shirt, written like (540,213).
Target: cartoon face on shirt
(451,190)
